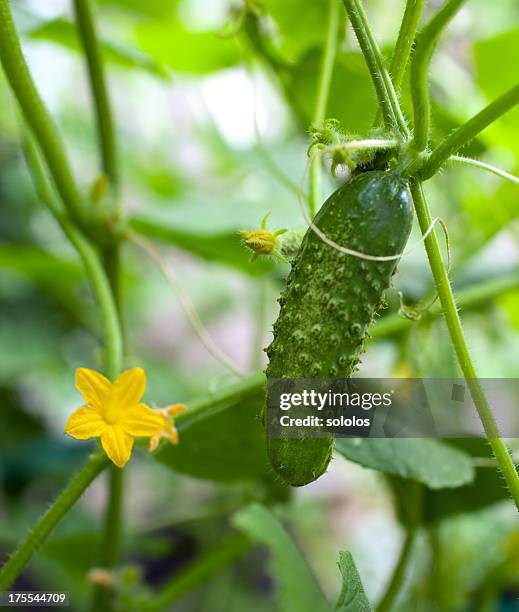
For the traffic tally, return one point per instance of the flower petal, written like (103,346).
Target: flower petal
(129,388)
(85,423)
(94,387)
(141,420)
(117,445)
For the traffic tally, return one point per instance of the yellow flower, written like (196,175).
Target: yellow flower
(113,412)
(169,431)
(262,241)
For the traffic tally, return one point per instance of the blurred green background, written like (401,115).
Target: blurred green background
(212,102)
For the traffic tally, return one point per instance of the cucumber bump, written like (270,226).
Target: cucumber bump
(331,298)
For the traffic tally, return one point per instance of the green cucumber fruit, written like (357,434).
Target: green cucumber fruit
(331,298)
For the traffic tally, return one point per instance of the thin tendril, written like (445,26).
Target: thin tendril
(185,302)
(469,161)
(420,310)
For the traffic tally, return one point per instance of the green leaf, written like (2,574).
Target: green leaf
(226,444)
(297,587)
(64,33)
(487,488)
(495,77)
(150,8)
(169,42)
(301,25)
(433,463)
(352,597)
(352,98)
(223,247)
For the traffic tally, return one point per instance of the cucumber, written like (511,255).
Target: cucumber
(331,298)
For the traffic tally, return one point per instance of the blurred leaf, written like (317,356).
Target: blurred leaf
(495,77)
(476,198)
(85,547)
(169,42)
(227,445)
(40,266)
(57,276)
(352,597)
(494,74)
(297,588)
(64,33)
(433,463)
(301,25)
(222,247)
(149,8)
(469,556)
(487,488)
(352,98)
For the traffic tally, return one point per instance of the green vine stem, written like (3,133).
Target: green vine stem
(425,44)
(466,132)
(321,101)
(46,524)
(112,330)
(398,576)
(453,321)
(112,530)
(36,114)
(89,257)
(404,44)
(212,562)
(386,94)
(88,36)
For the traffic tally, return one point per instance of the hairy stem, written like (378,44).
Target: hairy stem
(405,40)
(36,114)
(397,579)
(47,523)
(90,259)
(386,94)
(321,101)
(88,36)
(466,132)
(425,44)
(404,45)
(200,570)
(453,321)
